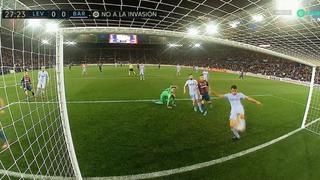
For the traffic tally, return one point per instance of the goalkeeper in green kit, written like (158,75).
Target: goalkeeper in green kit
(168,97)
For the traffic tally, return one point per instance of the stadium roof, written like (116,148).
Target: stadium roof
(255,22)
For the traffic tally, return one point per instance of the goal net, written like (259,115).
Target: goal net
(311,119)
(35,141)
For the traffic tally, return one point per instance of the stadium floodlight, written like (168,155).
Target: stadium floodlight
(193,31)
(52,27)
(257,18)
(212,28)
(174,45)
(34,22)
(45,41)
(197,45)
(234,24)
(70,43)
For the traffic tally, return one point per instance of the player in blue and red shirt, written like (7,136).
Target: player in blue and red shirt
(26,84)
(204,90)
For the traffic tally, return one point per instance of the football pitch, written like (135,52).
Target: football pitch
(118,130)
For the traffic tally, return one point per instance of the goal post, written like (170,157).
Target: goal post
(311,118)
(35,137)
(63,104)
(303,125)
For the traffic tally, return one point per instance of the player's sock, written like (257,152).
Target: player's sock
(200,108)
(242,125)
(195,108)
(235,133)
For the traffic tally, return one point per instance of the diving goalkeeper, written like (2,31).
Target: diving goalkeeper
(168,97)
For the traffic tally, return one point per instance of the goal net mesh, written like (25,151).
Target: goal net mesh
(32,140)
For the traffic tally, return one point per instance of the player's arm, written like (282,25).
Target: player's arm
(217,94)
(168,101)
(185,88)
(250,99)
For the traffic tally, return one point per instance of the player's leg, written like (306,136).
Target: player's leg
(194,102)
(38,91)
(43,88)
(29,88)
(4,140)
(172,101)
(242,123)
(198,100)
(233,125)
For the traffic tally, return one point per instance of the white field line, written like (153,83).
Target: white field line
(123,101)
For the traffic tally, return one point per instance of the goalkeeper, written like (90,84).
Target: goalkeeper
(168,97)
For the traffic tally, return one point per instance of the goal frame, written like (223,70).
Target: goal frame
(63,105)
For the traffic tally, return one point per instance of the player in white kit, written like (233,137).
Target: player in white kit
(178,70)
(141,71)
(84,69)
(196,69)
(43,77)
(237,119)
(194,93)
(205,74)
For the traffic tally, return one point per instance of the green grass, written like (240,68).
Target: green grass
(124,138)
(130,138)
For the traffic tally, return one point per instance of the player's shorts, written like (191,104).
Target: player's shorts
(41,85)
(205,96)
(194,96)
(130,69)
(141,73)
(236,112)
(27,87)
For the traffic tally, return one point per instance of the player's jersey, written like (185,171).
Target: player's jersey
(25,81)
(178,67)
(193,85)
(141,67)
(203,86)
(205,75)
(130,66)
(235,100)
(43,76)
